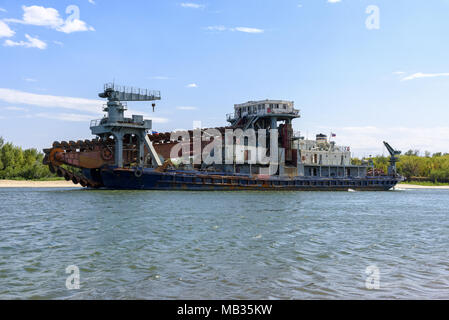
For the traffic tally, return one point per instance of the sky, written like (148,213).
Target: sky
(368,71)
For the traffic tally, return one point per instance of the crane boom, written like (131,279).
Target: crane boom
(121,93)
(393,159)
(391,150)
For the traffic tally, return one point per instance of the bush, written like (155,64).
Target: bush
(16,163)
(435,168)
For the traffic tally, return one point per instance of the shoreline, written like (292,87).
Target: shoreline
(37,184)
(415,186)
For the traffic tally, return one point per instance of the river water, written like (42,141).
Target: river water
(224,245)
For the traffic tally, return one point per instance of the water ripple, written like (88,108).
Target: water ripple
(219,245)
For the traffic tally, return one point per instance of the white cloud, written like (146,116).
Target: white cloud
(75,25)
(186,108)
(424,75)
(2,10)
(49,101)
(94,107)
(239,29)
(30,80)
(192,85)
(91,1)
(369,140)
(248,30)
(216,28)
(40,16)
(333,1)
(15,108)
(49,17)
(75,117)
(399,72)
(59,43)
(31,43)
(160,78)
(5,30)
(192,5)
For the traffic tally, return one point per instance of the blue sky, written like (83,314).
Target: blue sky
(366,85)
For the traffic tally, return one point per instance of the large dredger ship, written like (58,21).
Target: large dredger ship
(258,150)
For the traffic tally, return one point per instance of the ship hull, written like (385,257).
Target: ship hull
(149,179)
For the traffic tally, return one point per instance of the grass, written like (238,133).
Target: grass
(426,183)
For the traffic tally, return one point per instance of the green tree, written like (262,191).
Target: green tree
(409,167)
(435,168)
(16,163)
(381,162)
(412,153)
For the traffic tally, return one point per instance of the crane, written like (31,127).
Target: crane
(115,124)
(394,157)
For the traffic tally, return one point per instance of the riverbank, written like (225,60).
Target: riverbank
(415,186)
(37,184)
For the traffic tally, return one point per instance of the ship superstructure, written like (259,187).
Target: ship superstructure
(127,155)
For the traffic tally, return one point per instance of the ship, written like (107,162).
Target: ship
(257,150)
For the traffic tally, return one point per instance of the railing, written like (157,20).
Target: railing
(96,123)
(287,111)
(342,148)
(233,116)
(131,92)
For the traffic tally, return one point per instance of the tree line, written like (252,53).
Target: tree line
(16,163)
(413,166)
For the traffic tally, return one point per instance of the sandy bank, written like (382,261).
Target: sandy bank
(37,184)
(414,186)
